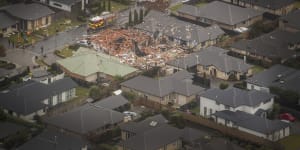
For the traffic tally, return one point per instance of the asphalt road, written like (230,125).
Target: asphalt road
(58,41)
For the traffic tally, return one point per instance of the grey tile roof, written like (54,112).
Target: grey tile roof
(143,126)
(227,13)
(26,98)
(153,139)
(46,141)
(85,119)
(278,76)
(6,20)
(273,45)
(212,56)
(179,82)
(67,2)
(292,19)
(172,27)
(270,4)
(252,122)
(235,97)
(191,135)
(7,128)
(31,11)
(216,144)
(112,102)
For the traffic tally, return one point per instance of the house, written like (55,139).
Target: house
(32,98)
(176,89)
(7,129)
(290,22)
(30,17)
(215,62)
(88,118)
(276,7)
(228,16)
(272,130)
(50,139)
(214,143)
(274,47)
(234,99)
(90,66)
(161,25)
(115,102)
(152,133)
(278,76)
(65,5)
(8,25)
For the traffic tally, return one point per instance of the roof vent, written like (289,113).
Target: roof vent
(153,123)
(279,75)
(281,81)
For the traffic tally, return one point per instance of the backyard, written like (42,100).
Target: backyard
(291,142)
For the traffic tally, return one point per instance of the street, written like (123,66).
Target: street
(58,41)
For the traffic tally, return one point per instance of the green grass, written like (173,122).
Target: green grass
(291,142)
(115,7)
(82,91)
(200,4)
(66,52)
(176,7)
(196,110)
(256,69)
(297,4)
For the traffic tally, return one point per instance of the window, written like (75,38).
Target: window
(205,111)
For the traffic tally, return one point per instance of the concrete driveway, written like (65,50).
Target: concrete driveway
(20,57)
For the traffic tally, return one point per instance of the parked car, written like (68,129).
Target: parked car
(287,116)
(130,113)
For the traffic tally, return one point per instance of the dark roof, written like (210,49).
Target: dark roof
(27,97)
(85,119)
(278,76)
(7,128)
(179,82)
(191,135)
(212,56)
(215,144)
(54,140)
(6,20)
(112,102)
(270,4)
(292,19)
(227,13)
(273,45)
(153,139)
(67,2)
(172,27)
(31,11)
(252,122)
(143,126)
(235,97)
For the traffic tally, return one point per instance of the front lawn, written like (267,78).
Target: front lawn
(257,69)
(200,4)
(291,143)
(82,91)
(115,6)
(64,53)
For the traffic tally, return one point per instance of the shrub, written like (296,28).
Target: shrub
(223,86)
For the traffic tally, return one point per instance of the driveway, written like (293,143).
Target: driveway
(20,57)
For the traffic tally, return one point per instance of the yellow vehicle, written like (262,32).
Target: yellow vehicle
(101,21)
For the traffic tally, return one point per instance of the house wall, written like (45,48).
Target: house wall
(251,86)
(6,31)
(211,107)
(33,25)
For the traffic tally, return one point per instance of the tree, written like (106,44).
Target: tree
(135,17)
(141,15)
(223,86)
(109,5)
(2,115)
(104,5)
(2,51)
(130,19)
(95,93)
(100,9)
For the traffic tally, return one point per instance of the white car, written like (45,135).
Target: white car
(130,113)
(84,42)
